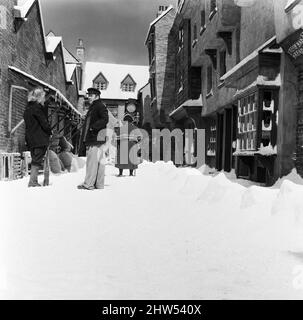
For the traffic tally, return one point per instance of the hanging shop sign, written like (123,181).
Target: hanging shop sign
(293,45)
(289,27)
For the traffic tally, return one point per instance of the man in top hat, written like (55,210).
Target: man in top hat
(96,120)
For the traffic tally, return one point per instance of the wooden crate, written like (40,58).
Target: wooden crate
(10,166)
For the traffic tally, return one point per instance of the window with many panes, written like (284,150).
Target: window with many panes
(257,122)
(100,82)
(211,146)
(128,87)
(100,85)
(247,122)
(128,84)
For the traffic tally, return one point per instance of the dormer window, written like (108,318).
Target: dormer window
(128,84)
(128,87)
(100,85)
(100,82)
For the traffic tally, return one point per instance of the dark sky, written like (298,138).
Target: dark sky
(113,30)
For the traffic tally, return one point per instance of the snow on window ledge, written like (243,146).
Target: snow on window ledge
(268,150)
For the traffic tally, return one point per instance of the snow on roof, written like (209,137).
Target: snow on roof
(22,8)
(115,73)
(157,19)
(193,103)
(70,68)
(188,103)
(52,43)
(45,84)
(68,57)
(261,81)
(250,57)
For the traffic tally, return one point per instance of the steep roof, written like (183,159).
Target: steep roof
(69,57)
(23,7)
(70,68)
(52,43)
(115,74)
(156,20)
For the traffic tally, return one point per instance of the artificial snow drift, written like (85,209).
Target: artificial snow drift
(167,233)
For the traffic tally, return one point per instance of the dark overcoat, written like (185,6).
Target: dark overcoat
(37,128)
(127,134)
(96,120)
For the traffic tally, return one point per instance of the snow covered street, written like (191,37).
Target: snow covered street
(167,233)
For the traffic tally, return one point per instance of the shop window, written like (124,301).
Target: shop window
(248,114)
(247,123)
(211,146)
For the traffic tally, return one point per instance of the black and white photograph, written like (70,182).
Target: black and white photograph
(151,150)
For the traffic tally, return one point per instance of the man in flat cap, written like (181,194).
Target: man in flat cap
(96,120)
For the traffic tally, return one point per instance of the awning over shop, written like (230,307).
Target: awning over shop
(46,85)
(189,106)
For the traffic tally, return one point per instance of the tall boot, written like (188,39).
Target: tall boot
(33,180)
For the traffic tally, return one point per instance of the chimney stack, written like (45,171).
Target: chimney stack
(80,51)
(161,10)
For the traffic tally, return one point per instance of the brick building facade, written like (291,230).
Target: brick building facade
(227,56)
(160,42)
(29,59)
